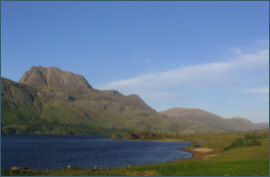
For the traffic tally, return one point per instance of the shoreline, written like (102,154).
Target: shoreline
(206,160)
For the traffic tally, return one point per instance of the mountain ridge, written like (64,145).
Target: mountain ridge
(206,118)
(52,101)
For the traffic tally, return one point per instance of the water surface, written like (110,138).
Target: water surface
(84,151)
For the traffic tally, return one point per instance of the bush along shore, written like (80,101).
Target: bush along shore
(229,154)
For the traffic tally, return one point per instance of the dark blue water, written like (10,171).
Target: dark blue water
(84,151)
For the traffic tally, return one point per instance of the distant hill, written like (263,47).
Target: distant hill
(53,101)
(264,125)
(197,120)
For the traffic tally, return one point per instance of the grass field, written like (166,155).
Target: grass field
(209,159)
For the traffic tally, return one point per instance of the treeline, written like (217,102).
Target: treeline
(53,127)
(255,136)
(142,135)
(45,127)
(247,140)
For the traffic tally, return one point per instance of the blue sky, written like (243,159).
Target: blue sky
(209,55)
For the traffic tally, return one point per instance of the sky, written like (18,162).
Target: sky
(208,55)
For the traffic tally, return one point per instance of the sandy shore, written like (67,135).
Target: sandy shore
(198,153)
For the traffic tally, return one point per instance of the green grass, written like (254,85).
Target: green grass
(240,161)
(256,167)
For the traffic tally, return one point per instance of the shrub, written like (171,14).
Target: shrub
(253,142)
(115,136)
(255,136)
(193,144)
(249,140)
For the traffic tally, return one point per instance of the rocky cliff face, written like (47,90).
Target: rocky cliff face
(54,78)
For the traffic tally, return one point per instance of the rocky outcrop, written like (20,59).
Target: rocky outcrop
(55,79)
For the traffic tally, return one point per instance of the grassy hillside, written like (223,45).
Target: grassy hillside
(209,159)
(203,121)
(30,110)
(52,101)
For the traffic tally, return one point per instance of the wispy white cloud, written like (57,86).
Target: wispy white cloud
(259,94)
(207,86)
(256,91)
(147,61)
(236,50)
(264,99)
(262,43)
(156,95)
(253,60)
(207,74)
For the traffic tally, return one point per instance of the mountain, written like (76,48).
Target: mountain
(54,78)
(197,120)
(53,101)
(49,100)
(264,125)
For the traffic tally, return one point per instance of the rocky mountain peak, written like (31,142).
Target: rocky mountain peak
(55,79)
